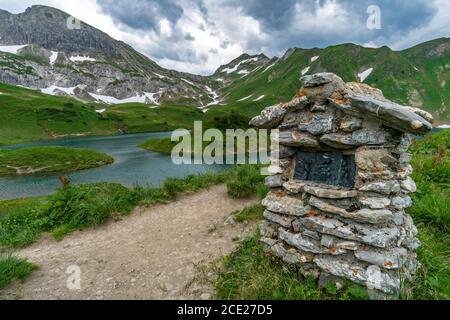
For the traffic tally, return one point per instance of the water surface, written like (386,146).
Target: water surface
(131,166)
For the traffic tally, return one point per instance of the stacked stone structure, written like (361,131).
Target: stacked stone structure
(340,180)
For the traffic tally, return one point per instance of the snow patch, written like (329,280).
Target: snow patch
(247,97)
(214,95)
(187,81)
(52,90)
(81,59)
(259,98)
(314,58)
(53,57)
(444,126)
(101,110)
(136,99)
(244,72)
(12,49)
(236,67)
(269,67)
(363,75)
(160,76)
(305,71)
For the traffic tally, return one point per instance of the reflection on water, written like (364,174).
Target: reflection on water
(131,166)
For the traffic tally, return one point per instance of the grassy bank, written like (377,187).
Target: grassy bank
(249,274)
(49,160)
(12,268)
(23,221)
(40,117)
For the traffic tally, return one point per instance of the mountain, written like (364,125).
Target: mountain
(418,76)
(38,50)
(44,48)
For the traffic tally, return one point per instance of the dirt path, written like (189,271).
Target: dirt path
(152,254)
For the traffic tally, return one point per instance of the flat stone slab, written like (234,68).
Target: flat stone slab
(330,193)
(389,113)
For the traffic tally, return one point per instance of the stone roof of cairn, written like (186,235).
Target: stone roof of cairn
(356,99)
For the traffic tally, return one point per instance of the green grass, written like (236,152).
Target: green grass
(12,268)
(50,160)
(23,221)
(249,274)
(40,116)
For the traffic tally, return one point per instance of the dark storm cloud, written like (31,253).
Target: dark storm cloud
(142,14)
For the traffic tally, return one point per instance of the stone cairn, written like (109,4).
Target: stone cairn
(359,231)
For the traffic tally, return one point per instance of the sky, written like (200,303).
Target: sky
(198,36)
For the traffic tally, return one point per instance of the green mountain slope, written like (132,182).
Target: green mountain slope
(27,115)
(417,76)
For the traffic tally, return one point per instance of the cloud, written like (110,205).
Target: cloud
(148,15)
(198,36)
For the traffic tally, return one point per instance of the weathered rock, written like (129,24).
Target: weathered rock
(330,193)
(319,79)
(408,185)
(405,171)
(296,240)
(387,259)
(404,143)
(375,236)
(401,202)
(389,113)
(384,187)
(293,186)
(374,159)
(363,215)
(374,202)
(284,204)
(321,123)
(349,124)
(272,116)
(274,181)
(357,138)
(375,176)
(405,158)
(296,138)
(268,229)
(278,219)
(372,277)
(381,281)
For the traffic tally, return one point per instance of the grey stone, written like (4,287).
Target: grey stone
(375,236)
(268,230)
(278,219)
(401,202)
(370,159)
(272,116)
(274,181)
(311,234)
(384,187)
(374,202)
(321,123)
(408,185)
(327,241)
(404,143)
(405,158)
(356,138)
(285,204)
(381,281)
(330,193)
(388,259)
(349,124)
(372,277)
(375,176)
(389,113)
(296,240)
(296,138)
(293,186)
(319,79)
(363,215)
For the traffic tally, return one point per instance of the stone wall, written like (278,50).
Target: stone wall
(363,233)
